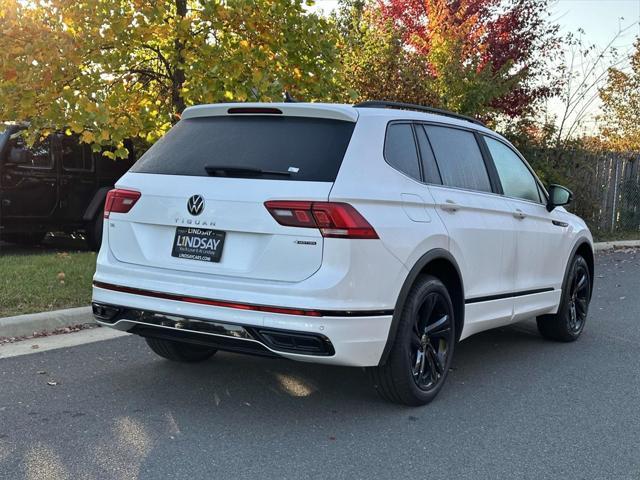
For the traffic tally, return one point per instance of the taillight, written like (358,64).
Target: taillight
(333,219)
(120,201)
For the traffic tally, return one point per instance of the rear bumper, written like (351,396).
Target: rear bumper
(356,340)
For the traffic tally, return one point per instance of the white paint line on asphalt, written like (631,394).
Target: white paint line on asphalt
(65,340)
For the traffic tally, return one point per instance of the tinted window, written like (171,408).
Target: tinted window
(37,156)
(311,148)
(429,165)
(459,158)
(400,149)
(517,181)
(75,155)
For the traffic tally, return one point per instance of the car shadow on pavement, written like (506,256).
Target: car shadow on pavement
(231,380)
(252,403)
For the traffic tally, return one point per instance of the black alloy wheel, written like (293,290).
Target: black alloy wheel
(420,357)
(579,298)
(569,322)
(431,340)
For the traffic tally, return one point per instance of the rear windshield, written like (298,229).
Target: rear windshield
(308,149)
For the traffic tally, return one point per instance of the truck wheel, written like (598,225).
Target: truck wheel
(93,232)
(180,351)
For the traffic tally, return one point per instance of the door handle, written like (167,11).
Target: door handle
(450,206)
(519,214)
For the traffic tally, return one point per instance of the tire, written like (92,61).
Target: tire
(28,239)
(93,232)
(422,350)
(180,351)
(568,323)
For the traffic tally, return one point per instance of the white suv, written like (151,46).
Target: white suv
(376,235)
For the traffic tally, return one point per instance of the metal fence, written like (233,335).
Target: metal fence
(606,188)
(617,188)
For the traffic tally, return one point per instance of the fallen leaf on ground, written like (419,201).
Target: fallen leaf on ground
(52,383)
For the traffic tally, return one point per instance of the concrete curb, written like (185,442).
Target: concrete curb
(43,344)
(25,325)
(601,246)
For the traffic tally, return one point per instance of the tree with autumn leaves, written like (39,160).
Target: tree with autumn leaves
(478,57)
(621,105)
(108,70)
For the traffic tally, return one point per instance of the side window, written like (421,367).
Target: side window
(459,158)
(75,155)
(429,165)
(37,156)
(400,149)
(517,181)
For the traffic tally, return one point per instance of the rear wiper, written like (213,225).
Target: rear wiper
(225,171)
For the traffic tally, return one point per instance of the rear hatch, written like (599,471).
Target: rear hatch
(204,185)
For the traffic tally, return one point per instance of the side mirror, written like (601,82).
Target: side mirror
(558,196)
(18,156)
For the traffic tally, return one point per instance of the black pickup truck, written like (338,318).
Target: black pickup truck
(58,185)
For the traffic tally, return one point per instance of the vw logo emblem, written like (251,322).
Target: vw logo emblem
(195,205)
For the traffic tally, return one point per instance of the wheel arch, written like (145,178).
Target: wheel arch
(582,247)
(441,264)
(94,205)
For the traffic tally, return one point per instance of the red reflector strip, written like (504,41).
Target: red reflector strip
(213,303)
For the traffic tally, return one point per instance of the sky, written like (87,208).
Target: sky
(600,19)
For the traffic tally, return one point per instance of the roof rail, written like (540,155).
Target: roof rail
(421,108)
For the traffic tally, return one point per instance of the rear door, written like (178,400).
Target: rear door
(29,182)
(208,180)
(480,223)
(77,176)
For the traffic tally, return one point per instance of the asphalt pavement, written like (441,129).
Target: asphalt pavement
(515,406)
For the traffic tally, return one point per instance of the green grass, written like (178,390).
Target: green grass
(42,282)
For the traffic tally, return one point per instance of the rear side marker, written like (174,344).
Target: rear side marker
(243,306)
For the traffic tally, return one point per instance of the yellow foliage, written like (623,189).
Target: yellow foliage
(106,70)
(87,137)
